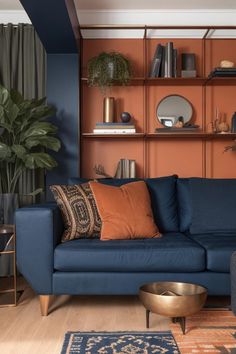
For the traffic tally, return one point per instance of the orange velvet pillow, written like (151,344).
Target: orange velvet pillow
(125,211)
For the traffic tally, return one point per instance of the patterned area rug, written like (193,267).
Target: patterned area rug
(209,331)
(119,343)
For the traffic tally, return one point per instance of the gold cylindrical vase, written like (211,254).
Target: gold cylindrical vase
(108,109)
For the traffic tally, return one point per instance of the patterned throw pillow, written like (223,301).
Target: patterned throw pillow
(79,211)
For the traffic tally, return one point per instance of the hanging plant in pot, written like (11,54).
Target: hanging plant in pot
(108,69)
(24,136)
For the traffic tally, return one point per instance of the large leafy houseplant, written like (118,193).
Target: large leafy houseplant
(24,136)
(108,69)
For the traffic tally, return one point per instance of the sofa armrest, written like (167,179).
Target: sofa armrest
(38,231)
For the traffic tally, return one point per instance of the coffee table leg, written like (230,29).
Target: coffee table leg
(182,321)
(147,318)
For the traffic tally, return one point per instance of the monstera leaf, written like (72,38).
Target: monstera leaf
(25,136)
(5,151)
(40,159)
(49,142)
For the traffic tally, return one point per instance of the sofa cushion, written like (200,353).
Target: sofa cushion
(213,205)
(79,211)
(184,204)
(125,211)
(163,198)
(219,249)
(174,252)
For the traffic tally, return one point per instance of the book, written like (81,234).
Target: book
(162,74)
(107,124)
(175,53)
(115,126)
(118,170)
(114,131)
(132,168)
(156,62)
(169,51)
(126,169)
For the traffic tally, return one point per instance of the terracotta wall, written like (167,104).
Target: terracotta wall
(186,156)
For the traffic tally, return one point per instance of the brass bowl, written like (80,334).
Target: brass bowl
(173,299)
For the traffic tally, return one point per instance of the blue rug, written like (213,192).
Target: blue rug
(119,343)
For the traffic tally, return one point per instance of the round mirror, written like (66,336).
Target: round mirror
(172,109)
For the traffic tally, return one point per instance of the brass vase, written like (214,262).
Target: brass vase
(108,109)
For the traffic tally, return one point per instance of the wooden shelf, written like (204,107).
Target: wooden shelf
(135,81)
(164,135)
(229,81)
(113,136)
(178,81)
(191,135)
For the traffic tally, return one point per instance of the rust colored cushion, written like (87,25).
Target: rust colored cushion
(79,211)
(125,211)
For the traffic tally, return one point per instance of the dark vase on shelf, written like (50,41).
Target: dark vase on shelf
(233,123)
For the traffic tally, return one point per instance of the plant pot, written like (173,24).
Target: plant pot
(8,204)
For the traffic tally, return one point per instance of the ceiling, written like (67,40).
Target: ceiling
(10,5)
(140,12)
(156,12)
(154,4)
(11,11)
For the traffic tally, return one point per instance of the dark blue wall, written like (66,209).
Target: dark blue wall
(62,92)
(51,21)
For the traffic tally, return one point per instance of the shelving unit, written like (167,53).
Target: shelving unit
(186,154)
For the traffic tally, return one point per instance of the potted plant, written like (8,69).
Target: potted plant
(24,136)
(108,69)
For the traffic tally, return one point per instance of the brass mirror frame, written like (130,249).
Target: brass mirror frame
(171,117)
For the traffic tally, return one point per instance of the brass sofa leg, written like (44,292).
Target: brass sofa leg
(44,304)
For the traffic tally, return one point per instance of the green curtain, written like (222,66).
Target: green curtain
(23,67)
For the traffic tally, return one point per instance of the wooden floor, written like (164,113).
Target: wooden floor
(24,331)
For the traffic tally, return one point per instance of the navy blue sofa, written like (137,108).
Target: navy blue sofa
(197,217)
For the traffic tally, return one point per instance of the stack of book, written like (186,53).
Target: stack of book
(114,128)
(223,72)
(164,63)
(126,169)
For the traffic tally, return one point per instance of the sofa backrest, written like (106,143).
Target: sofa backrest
(184,204)
(206,205)
(163,198)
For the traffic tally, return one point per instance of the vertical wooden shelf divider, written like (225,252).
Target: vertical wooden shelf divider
(145,106)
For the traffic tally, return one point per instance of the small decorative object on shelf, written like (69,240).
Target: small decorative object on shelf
(226,64)
(233,123)
(108,69)
(223,125)
(100,170)
(125,117)
(210,127)
(220,126)
(108,109)
(188,65)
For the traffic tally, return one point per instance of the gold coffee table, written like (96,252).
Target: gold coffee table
(173,299)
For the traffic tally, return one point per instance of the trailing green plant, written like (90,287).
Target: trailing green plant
(24,136)
(108,69)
